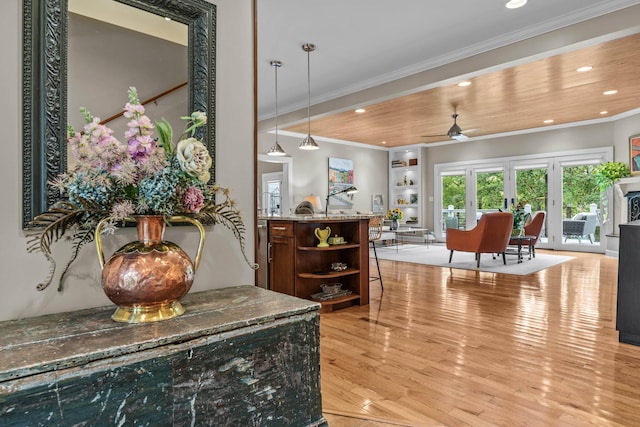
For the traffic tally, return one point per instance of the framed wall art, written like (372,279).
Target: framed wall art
(340,178)
(634,154)
(377,203)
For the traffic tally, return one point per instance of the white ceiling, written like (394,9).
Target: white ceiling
(364,43)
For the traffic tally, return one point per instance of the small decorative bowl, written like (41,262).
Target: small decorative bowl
(331,288)
(413,218)
(338,266)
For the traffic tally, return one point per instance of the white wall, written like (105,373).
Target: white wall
(222,264)
(310,169)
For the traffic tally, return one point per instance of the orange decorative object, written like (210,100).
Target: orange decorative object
(491,235)
(146,278)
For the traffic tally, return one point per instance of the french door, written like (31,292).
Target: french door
(563,186)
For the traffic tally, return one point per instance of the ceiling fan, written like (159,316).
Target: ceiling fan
(454,132)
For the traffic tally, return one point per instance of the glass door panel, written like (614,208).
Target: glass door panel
(489,191)
(532,193)
(580,207)
(454,201)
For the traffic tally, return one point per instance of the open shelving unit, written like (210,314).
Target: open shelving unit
(405,184)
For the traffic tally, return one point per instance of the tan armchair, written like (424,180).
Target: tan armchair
(491,235)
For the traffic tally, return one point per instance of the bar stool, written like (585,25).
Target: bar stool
(375,232)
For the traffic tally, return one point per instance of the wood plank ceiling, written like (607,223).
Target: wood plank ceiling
(517,98)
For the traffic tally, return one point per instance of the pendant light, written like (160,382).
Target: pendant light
(308,143)
(276,149)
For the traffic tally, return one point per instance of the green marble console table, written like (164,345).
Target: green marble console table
(239,356)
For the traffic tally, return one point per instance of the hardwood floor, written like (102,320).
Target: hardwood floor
(453,347)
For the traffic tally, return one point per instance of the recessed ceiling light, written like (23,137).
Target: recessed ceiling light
(610,92)
(384,142)
(465,83)
(166,18)
(548,121)
(604,112)
(514,4)
(584,69)
(360,110)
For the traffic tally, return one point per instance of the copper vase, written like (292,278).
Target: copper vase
(147,277)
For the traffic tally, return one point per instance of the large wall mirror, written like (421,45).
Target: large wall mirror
(54,77)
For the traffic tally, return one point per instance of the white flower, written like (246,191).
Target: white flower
(194,159)
(198,118)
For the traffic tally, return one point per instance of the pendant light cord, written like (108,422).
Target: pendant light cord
(276,66)
(309,91)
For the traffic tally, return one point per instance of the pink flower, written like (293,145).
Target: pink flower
(193,199)
(122,210)
(132,110)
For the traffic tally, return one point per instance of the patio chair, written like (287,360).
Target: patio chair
(580,226)
(490,235)
(451,222)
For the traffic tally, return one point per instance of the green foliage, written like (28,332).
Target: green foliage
(490,190)
(608,173)
(579,189)
(531,186)
(453,191)
(165,134)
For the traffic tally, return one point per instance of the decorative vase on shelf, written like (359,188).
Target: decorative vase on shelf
(395,224)
(323,235)
(146,278)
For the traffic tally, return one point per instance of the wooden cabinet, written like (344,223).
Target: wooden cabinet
(281,257)
(628,312)
(405,184)
(306,266)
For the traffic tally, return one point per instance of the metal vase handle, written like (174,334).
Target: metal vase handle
(177,218)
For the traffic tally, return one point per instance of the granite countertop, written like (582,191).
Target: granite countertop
(317,217)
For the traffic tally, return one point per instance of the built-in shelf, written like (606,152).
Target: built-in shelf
(331,304)
(405,183)
(329,248)
(299,267)
(329,275)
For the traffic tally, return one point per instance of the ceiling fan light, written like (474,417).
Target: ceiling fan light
(460,137)
(514,4)
(308,143)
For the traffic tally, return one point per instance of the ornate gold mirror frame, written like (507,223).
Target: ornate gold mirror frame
(44,82)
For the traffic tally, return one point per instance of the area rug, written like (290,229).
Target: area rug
(438,255)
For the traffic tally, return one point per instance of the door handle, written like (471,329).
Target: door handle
(269,253)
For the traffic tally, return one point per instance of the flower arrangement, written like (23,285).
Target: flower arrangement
(142,176)
(395,214)
(520,218)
